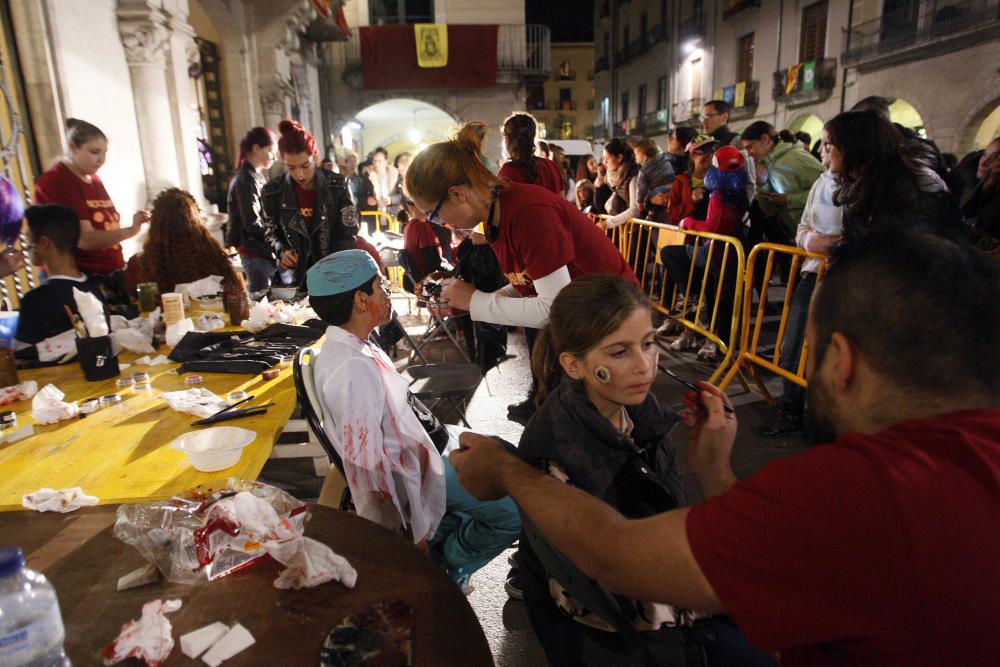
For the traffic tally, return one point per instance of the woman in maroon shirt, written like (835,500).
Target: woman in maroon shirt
(524,166)
(73,182)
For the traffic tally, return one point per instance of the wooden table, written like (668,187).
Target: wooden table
(83,560)
(123,454)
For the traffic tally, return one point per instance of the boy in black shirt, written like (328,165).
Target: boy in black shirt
(54,232)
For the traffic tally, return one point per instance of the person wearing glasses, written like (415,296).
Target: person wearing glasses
(540,240)
(715,121)
(308,211)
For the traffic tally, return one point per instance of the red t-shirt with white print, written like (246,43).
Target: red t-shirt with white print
(91,202)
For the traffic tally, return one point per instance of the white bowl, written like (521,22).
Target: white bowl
(284,293)
(214,448)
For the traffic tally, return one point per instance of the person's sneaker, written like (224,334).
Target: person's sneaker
(709,351)
(512,559)
(521,412)
(785,424)
(670,327)
(513,586)
(686,341)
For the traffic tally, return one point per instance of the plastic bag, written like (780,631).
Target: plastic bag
(189,543)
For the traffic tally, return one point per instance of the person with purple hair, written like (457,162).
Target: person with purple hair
(247,230)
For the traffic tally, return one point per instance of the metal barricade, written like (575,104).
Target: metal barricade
(752,321)
(718,282)
(381,218)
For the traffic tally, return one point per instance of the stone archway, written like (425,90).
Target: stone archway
(809,123)
(397,124)
(981,126)
(903,112)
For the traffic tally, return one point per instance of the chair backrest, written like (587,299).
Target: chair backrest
(302,373)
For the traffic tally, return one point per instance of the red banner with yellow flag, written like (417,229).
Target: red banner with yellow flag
(389,58)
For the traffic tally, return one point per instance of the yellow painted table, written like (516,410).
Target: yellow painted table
(122,454)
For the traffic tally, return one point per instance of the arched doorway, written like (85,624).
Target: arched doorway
(989,130)
(400,125)
(904,113)
(809,123)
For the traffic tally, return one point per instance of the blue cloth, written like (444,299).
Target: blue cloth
(259,272)
(472,532)
(339,272)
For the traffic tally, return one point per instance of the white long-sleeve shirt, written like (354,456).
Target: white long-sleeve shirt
(395,473)
(819,215)
(506,306)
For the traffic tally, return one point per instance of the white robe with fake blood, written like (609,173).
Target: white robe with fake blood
(395,473)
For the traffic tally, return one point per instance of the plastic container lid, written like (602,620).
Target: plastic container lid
(193,379)
(140,376)
(111,399)
(125,382)
(11,560)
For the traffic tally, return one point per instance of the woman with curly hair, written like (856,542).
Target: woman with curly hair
(179,248)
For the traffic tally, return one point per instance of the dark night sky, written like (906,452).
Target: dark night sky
(569,20)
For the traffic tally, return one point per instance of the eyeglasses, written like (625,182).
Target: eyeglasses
(432,217)
(706,116)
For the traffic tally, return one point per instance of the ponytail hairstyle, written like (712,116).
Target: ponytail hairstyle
(295,139)
(257,136)
(787,136)
(757,130)
(457,161)
(79,132)
(519,134)
(585,312)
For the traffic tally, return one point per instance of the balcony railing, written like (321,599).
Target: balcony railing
(737,7)
(636,47)
(692,28)
(600,64)
(523,49)
(813,82)
(898,31)
(654,122)
(743,97)
(688,110)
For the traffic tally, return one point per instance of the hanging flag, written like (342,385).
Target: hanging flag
(741,94)
(718,94)
(729,94)
(432,44)
(791,78)
(809,75)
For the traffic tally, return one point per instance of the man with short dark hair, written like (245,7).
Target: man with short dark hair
(394,450)
(876,549)
(53,232)
(715,121)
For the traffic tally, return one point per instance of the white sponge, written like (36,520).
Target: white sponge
(237,639)
(197,642)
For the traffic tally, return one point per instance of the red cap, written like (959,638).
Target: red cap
(728,158)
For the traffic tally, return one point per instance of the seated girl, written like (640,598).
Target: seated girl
(599,428)
(179,248)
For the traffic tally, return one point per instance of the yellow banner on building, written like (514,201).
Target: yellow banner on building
(717,94)
(741,94)
(432,44)
(792,78)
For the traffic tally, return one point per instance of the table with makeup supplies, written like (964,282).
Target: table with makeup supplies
(83,560)
(121,453)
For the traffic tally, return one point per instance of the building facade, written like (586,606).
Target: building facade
(563,103)
(361,112)
(798,63)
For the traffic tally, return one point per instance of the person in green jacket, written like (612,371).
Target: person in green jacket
(785,172)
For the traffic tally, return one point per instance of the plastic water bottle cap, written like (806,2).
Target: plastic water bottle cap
(11,560)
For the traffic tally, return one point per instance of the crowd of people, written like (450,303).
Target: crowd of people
(846,553)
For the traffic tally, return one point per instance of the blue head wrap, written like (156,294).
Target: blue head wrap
(340,272)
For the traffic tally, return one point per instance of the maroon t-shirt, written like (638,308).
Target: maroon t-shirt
(91,202)
(306,199)
(875,550)
(549,176)
(417,235)
(540,232)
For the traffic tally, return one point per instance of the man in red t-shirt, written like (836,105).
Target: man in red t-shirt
(879,548)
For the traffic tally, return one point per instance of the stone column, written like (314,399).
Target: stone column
(182,54)
(146,39)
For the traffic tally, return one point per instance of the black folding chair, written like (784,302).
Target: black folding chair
(437,325)
(302,373)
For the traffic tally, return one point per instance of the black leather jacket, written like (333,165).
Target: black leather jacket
(334,223)
(246,229)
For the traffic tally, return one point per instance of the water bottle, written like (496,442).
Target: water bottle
(31,628)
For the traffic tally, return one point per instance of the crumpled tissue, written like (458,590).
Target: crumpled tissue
(91,312)
(133,340)
(65,500)
(198,402)
(210,322)
(118,322)
(47,407)
(158,360)
(263,313)
(309,563)
(177,330)
(18,392)
(60,348)
(207,286)
(150,638)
